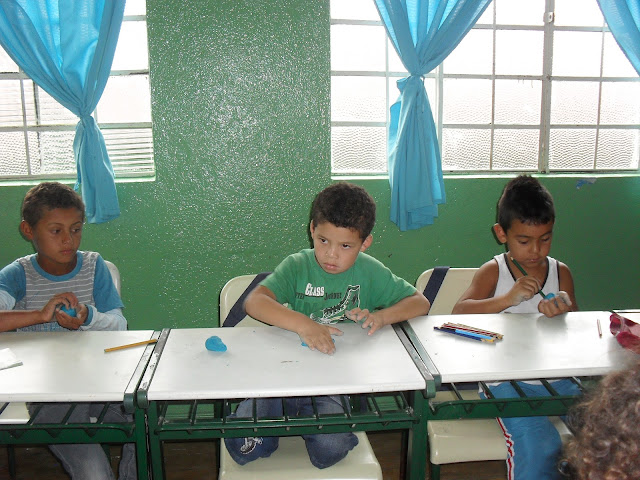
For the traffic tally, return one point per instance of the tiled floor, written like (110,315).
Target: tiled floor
(198,460)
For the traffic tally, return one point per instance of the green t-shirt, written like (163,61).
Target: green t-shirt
(302,284)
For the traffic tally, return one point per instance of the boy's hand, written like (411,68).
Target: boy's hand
(557,305)
(67,321)
(49,311)
(318,337)
(524,289)
(368,319)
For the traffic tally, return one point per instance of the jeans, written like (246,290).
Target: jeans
(533,443)
(87,461)
(324,449)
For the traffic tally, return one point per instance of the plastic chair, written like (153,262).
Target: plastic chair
(464,440)
(17,413)
(290,460)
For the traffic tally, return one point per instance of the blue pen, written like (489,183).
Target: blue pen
(479,335)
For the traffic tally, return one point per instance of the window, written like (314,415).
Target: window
(535,86)
(37,133)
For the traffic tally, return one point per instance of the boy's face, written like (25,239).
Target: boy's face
(529,244)
(56,238)
(336,248)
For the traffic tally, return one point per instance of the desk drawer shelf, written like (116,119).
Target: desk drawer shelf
(379,411)
(461,406)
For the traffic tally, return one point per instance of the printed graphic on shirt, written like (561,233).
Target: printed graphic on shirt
(335,314)
(250,443)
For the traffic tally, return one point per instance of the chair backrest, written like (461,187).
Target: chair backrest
(453,286)
(230,293)
(115,274)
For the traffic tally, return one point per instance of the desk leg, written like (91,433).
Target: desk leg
(417,445)
(155,445)
(142,455)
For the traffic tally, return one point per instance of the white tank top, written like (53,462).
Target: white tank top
(506,280)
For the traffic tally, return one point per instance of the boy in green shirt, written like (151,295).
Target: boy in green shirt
(333,282)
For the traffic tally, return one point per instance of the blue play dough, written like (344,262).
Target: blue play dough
(69,311)
(214,344)
(549,296)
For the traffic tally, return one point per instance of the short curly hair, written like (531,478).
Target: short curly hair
(345,205)
(524,198)
(606,445)
(47,196)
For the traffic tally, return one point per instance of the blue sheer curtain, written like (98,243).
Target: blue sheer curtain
(623,18)
(423,33)
(67,48)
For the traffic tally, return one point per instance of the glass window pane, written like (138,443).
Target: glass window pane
(10,103)
(615,63)
(474,54)
(130,150)
(618,149)
(52,112)
(357,48)
(358,99)
(577,54)
(620,103)
(487,16)
(13,154)
(354,10)
(572,149)
(518,102)
(574,103)
(125,100)
(515,149)
(7,65)
(519,12)
(395,64)
(580,13)
(358,150)
(131,51)
(467,101)
(56,152)
(465,149)
(135,7)
(519,52)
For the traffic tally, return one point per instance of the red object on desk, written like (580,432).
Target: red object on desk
(626,331)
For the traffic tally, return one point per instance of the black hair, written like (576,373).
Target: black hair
(345,205)
(524,198)
(47,196)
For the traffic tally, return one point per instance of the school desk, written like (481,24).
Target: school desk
(534,347)
(72,367)
(190,391)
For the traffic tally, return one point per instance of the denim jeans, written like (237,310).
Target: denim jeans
(87,461)
(324,449)
(533,443)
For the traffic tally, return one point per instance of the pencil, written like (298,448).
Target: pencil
(524,272)
(129,345)
(470,335)
(461,326)
(599,328)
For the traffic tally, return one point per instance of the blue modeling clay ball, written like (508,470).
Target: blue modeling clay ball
(549,296)
(69,311)
(214,344)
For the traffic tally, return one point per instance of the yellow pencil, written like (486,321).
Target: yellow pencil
(129,345)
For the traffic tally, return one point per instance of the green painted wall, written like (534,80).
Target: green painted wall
(240,94)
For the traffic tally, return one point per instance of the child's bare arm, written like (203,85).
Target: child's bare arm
(409,307)
(262,305)
(12,319)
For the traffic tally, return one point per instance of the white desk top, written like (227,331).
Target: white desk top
(533,347)
(69,366)
(271,362)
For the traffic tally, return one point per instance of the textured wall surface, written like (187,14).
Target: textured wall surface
(240,98)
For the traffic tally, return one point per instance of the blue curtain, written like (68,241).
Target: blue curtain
(67,48)
(423,33)
(623,18)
